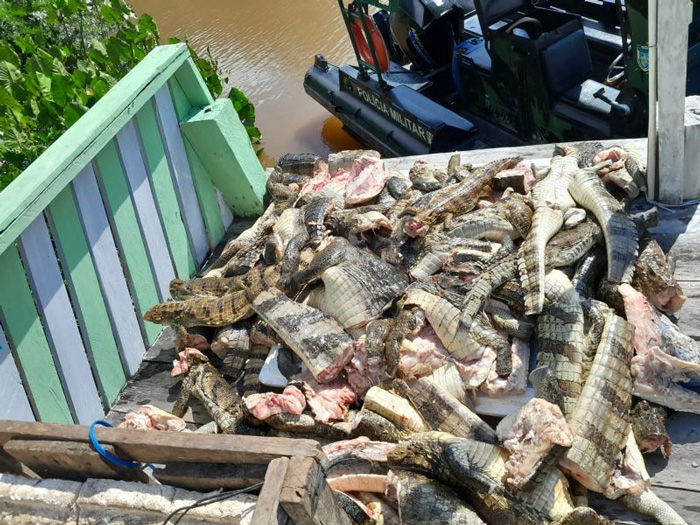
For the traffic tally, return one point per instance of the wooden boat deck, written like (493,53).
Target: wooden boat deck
(675,480)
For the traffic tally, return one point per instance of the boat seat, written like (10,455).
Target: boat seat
(582,96)
(481,58)
(400,76)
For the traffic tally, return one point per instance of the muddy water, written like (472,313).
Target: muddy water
(265,47)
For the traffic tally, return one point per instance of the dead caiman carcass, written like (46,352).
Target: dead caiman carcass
(204,382)
(455,199)
(244,242)
(568,246)
(423,500)
(315,337)
(441,411)
(231,344)
(498,273)
(357,285)
(619,230)
(444,317)
(537,437)
(653,276)
(600,422)
(666,358)
(649,427)
(475,470)
(207,310)
(437,248)
(560,337)
(552,200)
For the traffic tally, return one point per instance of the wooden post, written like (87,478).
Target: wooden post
(672,53)
(691,182)
(306,496)
(268,510)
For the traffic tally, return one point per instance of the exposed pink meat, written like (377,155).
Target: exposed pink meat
(529,435)
(181,365)
(422,354)
(475,371)
(262,406)
(361,447)
(319,180)
(616,155)
(380,507)
(415,228)
(365,372)
(516,382)
(520,170)
(149,417)
(631,476)
(651,381)
(328,401)
(197,341)
(367,179)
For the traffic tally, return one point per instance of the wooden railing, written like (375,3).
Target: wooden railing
(135,194)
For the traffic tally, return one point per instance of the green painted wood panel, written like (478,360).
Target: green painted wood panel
(206,196)
(23,327)
(164,192)
(28,196)
(86,293)
(131,246)
(202,181)
(193,85)
(222,144)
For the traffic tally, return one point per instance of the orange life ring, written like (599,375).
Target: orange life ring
(377,40)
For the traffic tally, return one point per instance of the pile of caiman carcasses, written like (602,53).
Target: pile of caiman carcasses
(372,309)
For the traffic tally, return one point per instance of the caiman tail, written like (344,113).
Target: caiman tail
(546,222)
(649,504)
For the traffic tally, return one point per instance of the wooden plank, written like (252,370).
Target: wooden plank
(220,140)
(267,509)
(193,85)
(207,197)
(180,171)
(482,156)
(130,243)
(165,447)
(69,460)
(204,188)
(211,476)
(29,195)
(672,45)
(24,331)
(86,295)
(15,403)
(58,319)
(110,272)
(224,210)
(164,192)
(153,385)
(306,496)
(150,222)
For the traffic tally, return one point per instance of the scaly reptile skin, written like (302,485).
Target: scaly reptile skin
(552,199)
(217,311)
(649,504)
(512,324)
(502,271)
(441,411)
(245,240)
(204,382)
(445,319)
(424,500)
(234,343)
(568,246)
(457,199)
(394,408)
(249,380)
(560,336)
(476,470)
(621,237)
(600,422)
(482,224)
(314,214)
(203,287)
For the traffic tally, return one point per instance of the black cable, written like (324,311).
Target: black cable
(206,500)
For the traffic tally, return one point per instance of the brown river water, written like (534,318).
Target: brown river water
(265,47)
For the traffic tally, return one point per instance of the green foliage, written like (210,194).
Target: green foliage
(209,69)
(56,60)
(58,57)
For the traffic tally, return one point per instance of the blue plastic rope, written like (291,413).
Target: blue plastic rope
(111,457)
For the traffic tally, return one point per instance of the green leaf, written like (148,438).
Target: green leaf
(8,54)
(8,101)
(62,90)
